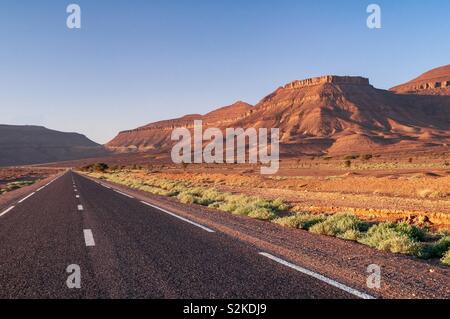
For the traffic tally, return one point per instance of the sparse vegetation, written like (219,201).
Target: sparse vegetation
(250,206)
(96,167)
(340,225)
(395,237)
(300,221)
(15,185)
(437,249)
(446,259)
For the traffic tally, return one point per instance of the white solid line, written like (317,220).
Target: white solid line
(39,189)
(80,207)
(106,186)
(179,217)
(319,277)
(24,199)
(129,196)
(89,238)
(7,211)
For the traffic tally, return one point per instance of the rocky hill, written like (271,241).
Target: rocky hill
(326,115)
(434,82)
(21,145)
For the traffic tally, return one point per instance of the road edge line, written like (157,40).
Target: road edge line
(209,230)
(320,277)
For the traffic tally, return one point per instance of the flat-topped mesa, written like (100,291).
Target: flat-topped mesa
(333,79)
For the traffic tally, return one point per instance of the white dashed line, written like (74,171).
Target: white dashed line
(24,199)
(129,196)
(77,196)
(89,238)
(179,217)
(7,211)
(310,273)
(80,208)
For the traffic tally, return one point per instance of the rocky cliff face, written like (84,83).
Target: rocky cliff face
(22,145)
(157,135)
(329,114)
(434,82)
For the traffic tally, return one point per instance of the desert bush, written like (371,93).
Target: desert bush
(351,234)
(16,185)
(436,249)
(262,214)
(394,237)
(446,259)
(186,198)
(301,221)
(96,167)
(337,225)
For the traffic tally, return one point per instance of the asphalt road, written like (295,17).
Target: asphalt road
(127,249)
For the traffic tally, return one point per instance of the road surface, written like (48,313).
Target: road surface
(126,248)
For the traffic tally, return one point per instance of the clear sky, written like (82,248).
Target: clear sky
(138,61)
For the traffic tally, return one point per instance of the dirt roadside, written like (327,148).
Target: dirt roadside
(8,199)
(343,261)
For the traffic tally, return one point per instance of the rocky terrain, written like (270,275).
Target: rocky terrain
(434,82)
(328,115)
(22,145)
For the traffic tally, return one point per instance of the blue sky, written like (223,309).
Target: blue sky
(138,61)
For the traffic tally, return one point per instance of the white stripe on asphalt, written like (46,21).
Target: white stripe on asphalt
(7,211)
(80,207)
(88,238)
(129,196)
(24,199)
(179,217)
(319,277)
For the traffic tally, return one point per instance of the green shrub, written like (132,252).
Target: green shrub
(394,237)
(262,214)
(339,224)
(411,231)
(446,259)
(16,185)
(186,198)
(437,249)
(302,221)
(96,167)
(351,234)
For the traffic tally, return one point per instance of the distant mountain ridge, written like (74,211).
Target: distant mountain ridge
(23,145)
(434,82)
(324,115)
